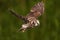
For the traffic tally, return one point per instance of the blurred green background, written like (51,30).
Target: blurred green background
(49,29)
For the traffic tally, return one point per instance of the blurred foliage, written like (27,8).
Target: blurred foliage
(49,29)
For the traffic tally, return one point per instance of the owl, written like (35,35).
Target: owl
(31,19)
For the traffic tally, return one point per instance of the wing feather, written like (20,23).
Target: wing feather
(37,10)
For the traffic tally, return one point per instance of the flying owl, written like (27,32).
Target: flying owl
(31,19)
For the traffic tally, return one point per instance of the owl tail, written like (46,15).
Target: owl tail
(17,15)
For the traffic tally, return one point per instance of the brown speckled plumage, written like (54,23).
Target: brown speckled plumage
(31,18)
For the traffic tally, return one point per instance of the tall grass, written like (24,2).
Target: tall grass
(49,29)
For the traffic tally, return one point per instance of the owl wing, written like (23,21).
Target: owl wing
(17,15)
(37,10)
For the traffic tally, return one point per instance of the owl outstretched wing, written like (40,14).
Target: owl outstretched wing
(37,10)
(17,15)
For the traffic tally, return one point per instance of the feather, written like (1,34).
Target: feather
(17,15)
(31,19)
(37,10)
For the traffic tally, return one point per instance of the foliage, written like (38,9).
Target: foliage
(49,29)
